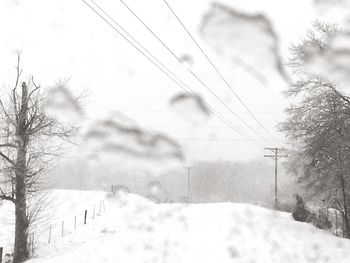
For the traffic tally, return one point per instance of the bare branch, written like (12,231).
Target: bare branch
(3,196)
(18,70)
(6,158)
(37,87)
(8,145)
(28,146)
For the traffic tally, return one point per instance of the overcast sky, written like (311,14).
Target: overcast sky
(64,39)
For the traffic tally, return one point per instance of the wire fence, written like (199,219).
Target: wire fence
(73,221)
(40,237)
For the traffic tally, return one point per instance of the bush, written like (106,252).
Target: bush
(321,221)
(300,213)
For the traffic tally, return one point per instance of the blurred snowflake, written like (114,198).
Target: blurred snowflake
(190,107)
(248,40)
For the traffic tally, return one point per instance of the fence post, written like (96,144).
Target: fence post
(50,234)
(100,207)
(93,215)
(104,207)
(75,222)
(1,249)
(62,228)
(85,215)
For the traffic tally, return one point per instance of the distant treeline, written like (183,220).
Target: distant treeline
(214,181)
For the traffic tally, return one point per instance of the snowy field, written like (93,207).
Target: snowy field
(132,229)
(59,206)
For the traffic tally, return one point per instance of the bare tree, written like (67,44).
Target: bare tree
(29,140)
(318,126)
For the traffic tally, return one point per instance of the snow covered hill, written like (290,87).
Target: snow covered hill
(54,207)
(133,229)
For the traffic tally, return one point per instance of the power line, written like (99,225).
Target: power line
(179,80)
(168,110)
(192,73)
(199,127)
(161,68)
(212,140)
(210,107)
(220,116)
(217,70)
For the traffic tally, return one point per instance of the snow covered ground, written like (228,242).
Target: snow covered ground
(133,229)
(59,206)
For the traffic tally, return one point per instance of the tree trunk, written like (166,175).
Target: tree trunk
(21,252)
(21,231)
(346,214)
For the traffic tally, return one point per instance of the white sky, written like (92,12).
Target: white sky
(62,39)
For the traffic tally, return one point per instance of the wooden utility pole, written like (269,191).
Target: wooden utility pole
(188,168)
(277,153)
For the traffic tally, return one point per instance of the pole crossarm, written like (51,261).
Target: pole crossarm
(277,152)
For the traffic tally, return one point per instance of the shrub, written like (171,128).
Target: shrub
(321,221)
(300,213)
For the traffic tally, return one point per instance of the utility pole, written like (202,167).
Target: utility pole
(188,168)
(277,153)
(79,181)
